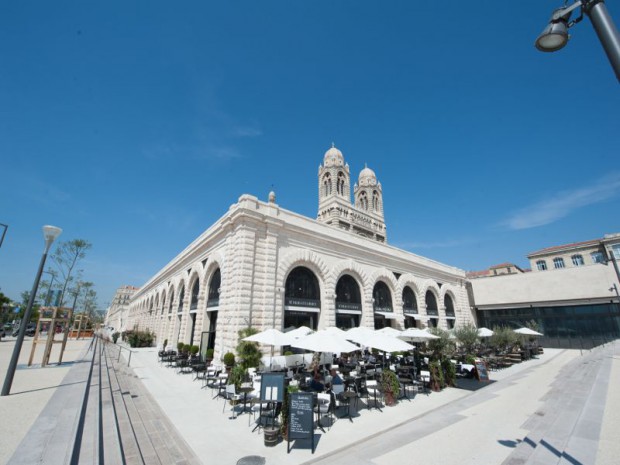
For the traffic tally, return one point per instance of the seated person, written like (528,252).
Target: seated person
(316,384)
(336,379)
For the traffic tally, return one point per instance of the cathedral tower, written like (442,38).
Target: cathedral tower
(335,208)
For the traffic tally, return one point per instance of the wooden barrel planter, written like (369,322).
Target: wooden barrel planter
(271,436)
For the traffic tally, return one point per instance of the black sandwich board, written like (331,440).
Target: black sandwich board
(482,373)
(300,418)
(272,387)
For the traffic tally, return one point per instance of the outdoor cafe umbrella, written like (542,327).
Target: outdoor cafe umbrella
(272,337)
(385,343)
(417,335)
(389,331)
(527,332)
(485,332)
(299,332)
(324,341)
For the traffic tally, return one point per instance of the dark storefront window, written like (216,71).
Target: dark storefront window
(410,304)
(213,300)
(565,326)
(431,304)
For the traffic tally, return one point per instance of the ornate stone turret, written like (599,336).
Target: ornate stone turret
(366,218)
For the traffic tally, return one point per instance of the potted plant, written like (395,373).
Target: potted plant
(229,360)
(115,336)
(180,346)
(194,350)
(437,381)
(284,412)
(390,387)
(449,372)
(209,355)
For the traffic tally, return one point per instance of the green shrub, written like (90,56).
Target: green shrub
(180,346)
(437,381)
(449,372)
(237,376)
(140,338)
(194,349)
(229,359)
(115,336)
(165,343)
(210,354)
(249,352)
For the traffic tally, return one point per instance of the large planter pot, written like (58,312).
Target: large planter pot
(390,398)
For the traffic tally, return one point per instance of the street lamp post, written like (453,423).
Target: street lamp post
(5,227)
(50,233)
(555,36)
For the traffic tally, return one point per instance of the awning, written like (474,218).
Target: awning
(350,312)
(302,309)
(387,315)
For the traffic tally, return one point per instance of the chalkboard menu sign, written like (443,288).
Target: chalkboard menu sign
(300,417)
(482,373)
(272,387)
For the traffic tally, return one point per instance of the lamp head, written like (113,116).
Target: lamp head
(50,233)
(555,35)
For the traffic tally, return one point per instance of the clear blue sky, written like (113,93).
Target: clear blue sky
(135,125)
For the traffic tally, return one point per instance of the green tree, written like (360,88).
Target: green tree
(467,336)
(441,347)
(66,258)
(248,352)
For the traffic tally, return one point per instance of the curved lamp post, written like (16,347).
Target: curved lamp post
(555,36)
(50,233)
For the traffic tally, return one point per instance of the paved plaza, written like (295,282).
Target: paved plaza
(563,407)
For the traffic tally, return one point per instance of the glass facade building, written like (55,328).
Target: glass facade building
(570,326)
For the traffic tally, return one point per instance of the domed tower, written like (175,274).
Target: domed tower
(335,208)
(334,188)
(368,194)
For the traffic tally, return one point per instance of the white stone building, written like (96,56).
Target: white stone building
(572,293)
(263,266)
(118,311)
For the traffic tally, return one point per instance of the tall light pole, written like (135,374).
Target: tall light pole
(50,233)
(555,36)
(5,227)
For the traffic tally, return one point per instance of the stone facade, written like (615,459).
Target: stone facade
(241,272)
(117,313)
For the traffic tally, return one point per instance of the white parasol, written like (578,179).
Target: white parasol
(485,332)
(527,332)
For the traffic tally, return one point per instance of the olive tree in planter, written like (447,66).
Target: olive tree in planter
(390,387)
(437,381)
(248,352)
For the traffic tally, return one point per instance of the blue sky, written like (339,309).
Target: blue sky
(135,125)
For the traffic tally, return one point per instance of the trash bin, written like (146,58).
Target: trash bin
(271,436)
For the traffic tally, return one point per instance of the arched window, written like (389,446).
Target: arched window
(340,183)
(577,260)
(348,295)
(363,202)
(558,262)
(541,265)
(382,297)
(195,290)
(431,304)
(181,299)
(302,288)
(213,299)
(327,184)
(171,299)
(375,201)
(410,304)
(447,301)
